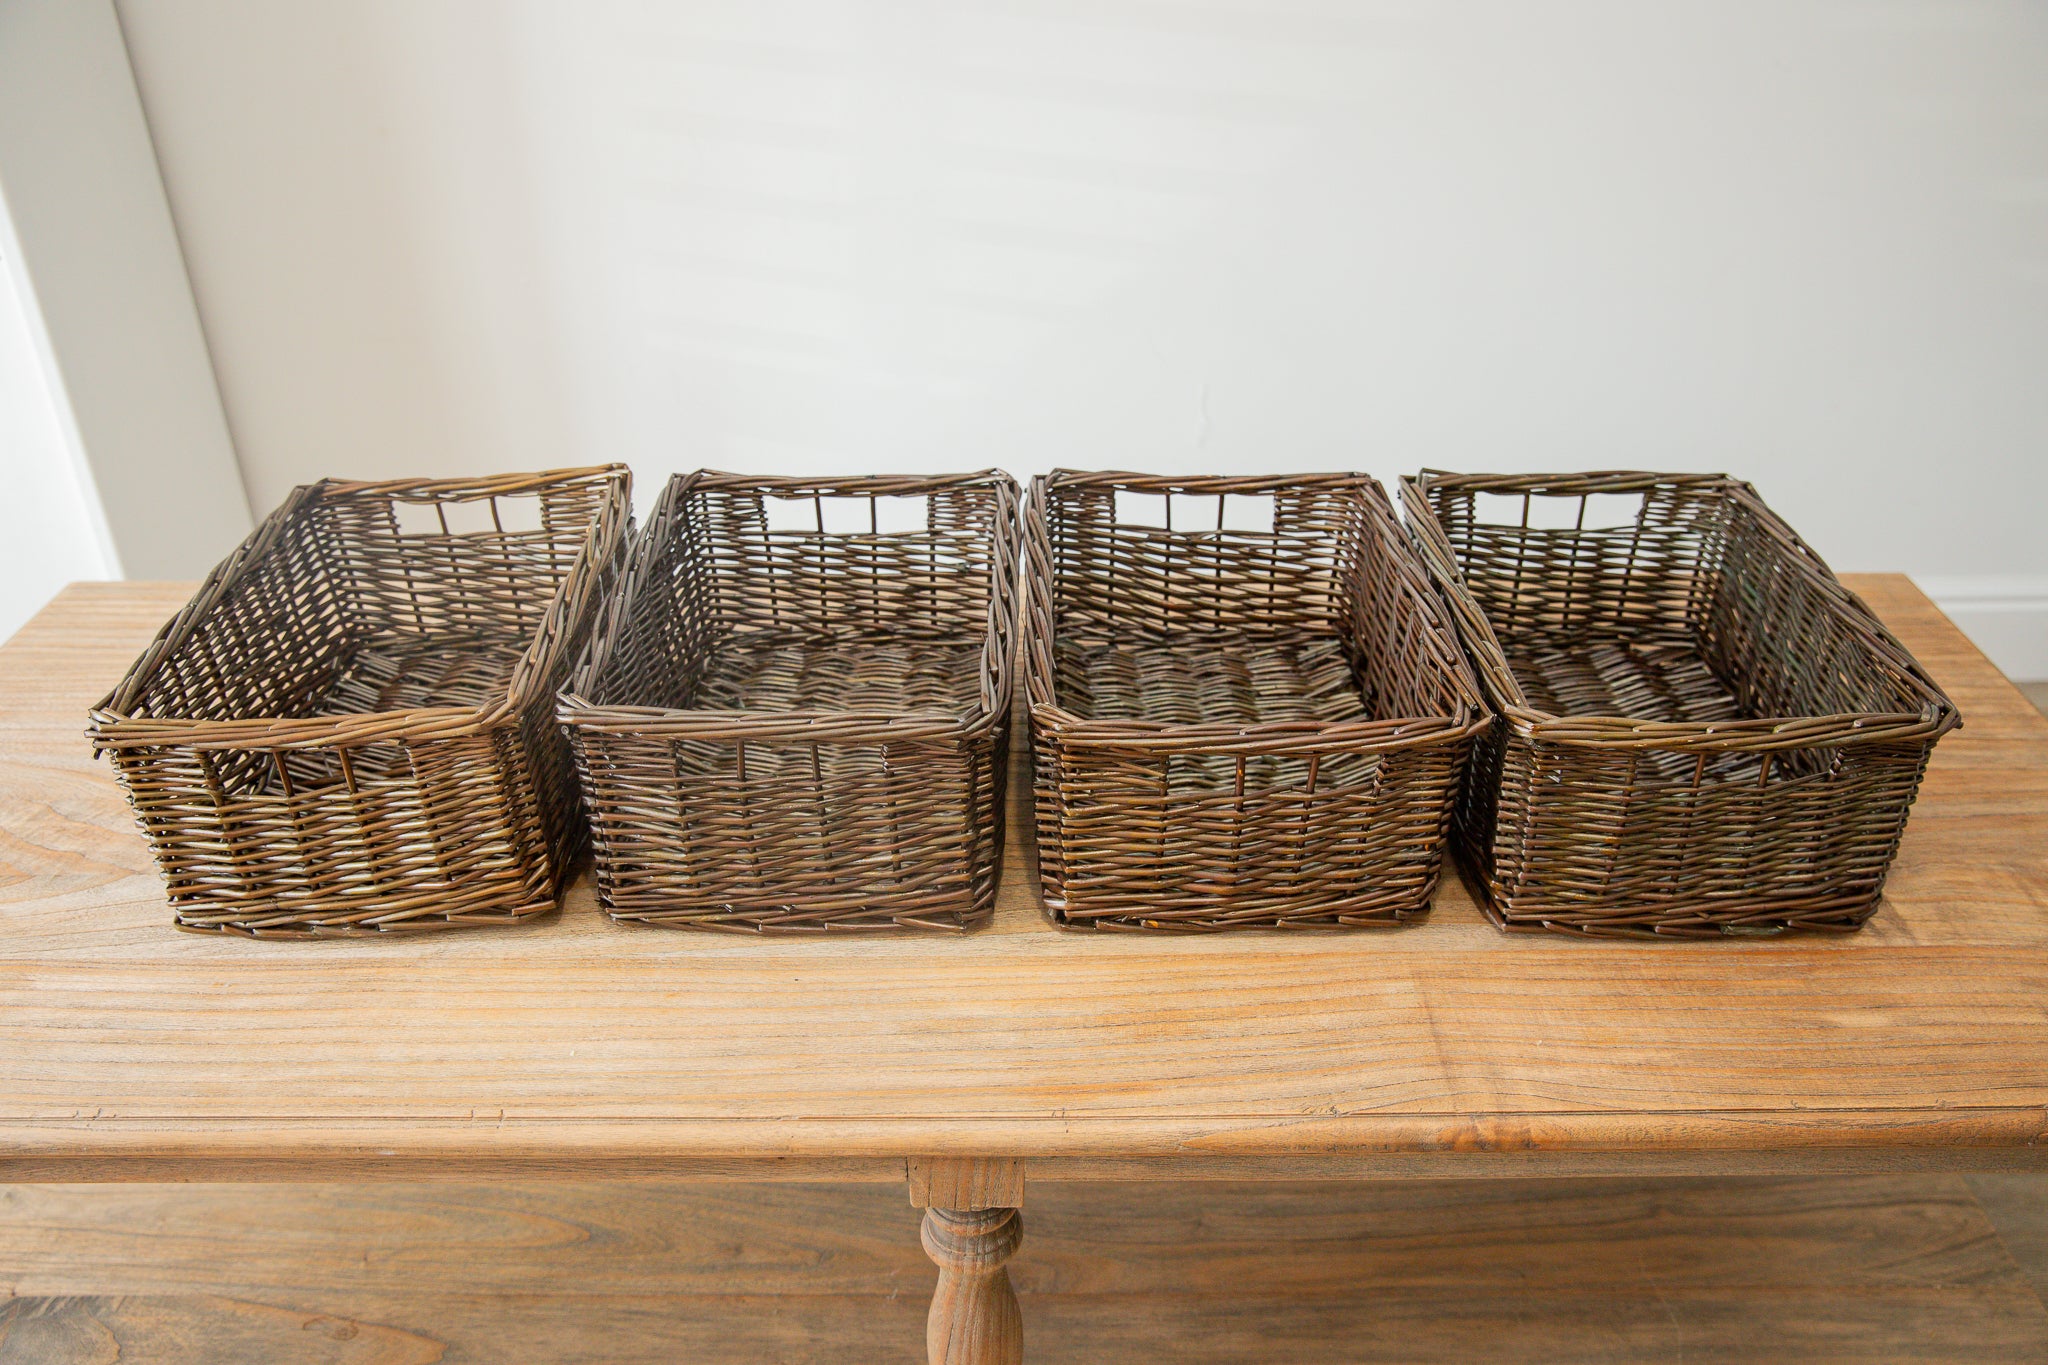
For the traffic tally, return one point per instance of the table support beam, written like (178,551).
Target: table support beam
(973,1223)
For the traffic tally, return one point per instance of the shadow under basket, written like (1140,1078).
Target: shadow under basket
(1702,733)
(794,715)
(350,728)
(1248,706)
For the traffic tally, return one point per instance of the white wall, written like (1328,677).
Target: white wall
(115,310)
(1806,242)
(55,532)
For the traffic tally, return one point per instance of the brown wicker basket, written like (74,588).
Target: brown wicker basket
(1248,707)
(1701,731)
(350,729)
(795,722)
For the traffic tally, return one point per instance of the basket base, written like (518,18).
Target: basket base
(389,675)
(1702,920)
(256,927)
(789,920)
(843,675)
(1220,680)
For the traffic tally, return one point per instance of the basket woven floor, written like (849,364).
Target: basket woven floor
(789,727)
(1702,732)
(349,729)
(1236,726)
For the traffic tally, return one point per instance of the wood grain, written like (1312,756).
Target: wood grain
(970,1183)
(2018,1208)
(1680,1326)
(1890,1268)
(1260,1239)
(975,1318)
(95,1331)
(576,1045)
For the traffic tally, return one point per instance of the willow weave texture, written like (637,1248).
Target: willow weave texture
(349,729)
(1701,731)
(795,715)
(1250,722)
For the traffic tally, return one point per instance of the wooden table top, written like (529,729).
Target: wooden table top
(575,1046)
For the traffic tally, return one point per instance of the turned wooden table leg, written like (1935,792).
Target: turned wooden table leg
(973,1222)
(974,1319)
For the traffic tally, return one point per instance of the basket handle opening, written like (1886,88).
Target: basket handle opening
(505,514)
(1560,511)
(882,514)
(418,518)
(1195,513)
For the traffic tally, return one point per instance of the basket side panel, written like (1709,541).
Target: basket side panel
(1639,573)
(428,844)
(1406,658)
(1592,838)
(783,837)
(272,645)
(659,641)
(1048,780)
(765,576)
(1785,644)
(1487,784)
(405,573)
(543,806)
(1330,839)
(1113,577)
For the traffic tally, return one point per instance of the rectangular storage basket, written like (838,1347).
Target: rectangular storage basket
(794,717)
(350,729)
(1702,732)
(1248,707)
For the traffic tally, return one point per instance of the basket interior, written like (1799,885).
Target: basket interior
(775,599)
(840,675)
(373,602)
(1196,606)
(1673,602)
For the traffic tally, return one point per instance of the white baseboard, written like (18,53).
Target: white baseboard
(2006,617)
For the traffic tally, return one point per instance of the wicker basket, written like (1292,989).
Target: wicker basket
(1702,732)
(1249,709)
(350,728)
(794,718)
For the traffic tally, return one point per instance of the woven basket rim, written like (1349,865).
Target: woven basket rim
(1273,737)
(484,486)
(1936,716)
(829,485)
(1573,482)
(1208,483)
(1276,737)
(110,726)
(674,722)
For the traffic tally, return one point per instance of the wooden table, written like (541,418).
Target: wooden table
(969,1066)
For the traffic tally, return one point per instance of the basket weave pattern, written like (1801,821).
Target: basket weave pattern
(802,730)
(1702,732)
(1236,728)
(349,728)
